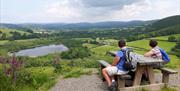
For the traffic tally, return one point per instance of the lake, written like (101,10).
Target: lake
(41,51)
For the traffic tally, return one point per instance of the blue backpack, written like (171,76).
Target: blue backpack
(165,56)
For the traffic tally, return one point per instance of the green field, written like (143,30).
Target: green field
(43,74)
(166,37)
(3,42)
(7,31)
(145,44)
(140,46)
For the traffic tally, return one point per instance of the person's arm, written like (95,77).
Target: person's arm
(116,60)
(148,54)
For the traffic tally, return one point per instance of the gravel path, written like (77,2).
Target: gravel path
(84,83)
(94,83)
(174,79)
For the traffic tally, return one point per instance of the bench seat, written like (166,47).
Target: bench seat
(121,79)
(166,72)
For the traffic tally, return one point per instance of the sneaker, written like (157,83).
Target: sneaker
(114,84)
(111,88)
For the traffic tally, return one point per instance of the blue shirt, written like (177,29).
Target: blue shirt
(121,62)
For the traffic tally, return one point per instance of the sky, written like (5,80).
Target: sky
(73,11)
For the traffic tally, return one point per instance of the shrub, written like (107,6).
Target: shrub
(172,39)
(79,52)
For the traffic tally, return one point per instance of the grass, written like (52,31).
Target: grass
(90,46)
(49,71)
(165,88)
(0,67)
(7,31)
(3,42)
(47,85)
(101,50)
(140,46)
(24,40)
(77,72)
(83,39)
(145,44)
(165,38)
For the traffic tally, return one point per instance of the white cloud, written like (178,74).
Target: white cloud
(165,8)
(116,10)
(64,9)
(133,11)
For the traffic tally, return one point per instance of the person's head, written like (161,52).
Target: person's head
(122,43)
(153,43)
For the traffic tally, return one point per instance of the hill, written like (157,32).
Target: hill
(14,26)
(8,31)
(166,22)
(162,27)
(77,26)
(86,25)
(139,46)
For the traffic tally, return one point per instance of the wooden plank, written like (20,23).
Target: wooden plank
(152,87)
(150,74)
(165,78)
(124,76)
(138,75)
(140,58)
(104,63)
(121,82)
(169,71)
(112,53)
(166,72)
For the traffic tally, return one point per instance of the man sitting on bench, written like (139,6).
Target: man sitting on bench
(116,67)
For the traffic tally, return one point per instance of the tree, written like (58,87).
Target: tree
(172,39)
(16,35)
(30,31)
(4,36)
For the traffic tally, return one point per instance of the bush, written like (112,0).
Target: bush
(79,52)
(6,83)
(172,39)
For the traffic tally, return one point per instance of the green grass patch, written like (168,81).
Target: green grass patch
(141,47)
(41,70)
(46,86)
(101,50)
(83,39)
(77,72)
(144,44)
(3,42)
(7,31)
(89,45)
(165,88)
(165,38)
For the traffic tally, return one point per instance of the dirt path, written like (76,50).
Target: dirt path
(174,79)
(84,83)
(94,83)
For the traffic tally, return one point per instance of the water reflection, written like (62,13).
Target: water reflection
(41,51)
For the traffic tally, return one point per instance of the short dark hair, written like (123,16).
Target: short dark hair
(153,43)
(122,43)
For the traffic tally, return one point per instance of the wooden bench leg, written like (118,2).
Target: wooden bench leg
(151,74)
(165,78)
(138,75)
(121,82)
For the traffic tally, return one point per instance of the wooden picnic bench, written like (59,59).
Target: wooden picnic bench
(143,63)
(120,78)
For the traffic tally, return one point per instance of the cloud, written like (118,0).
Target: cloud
(103,10)
(87,10)
(134,11)
(114,4)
